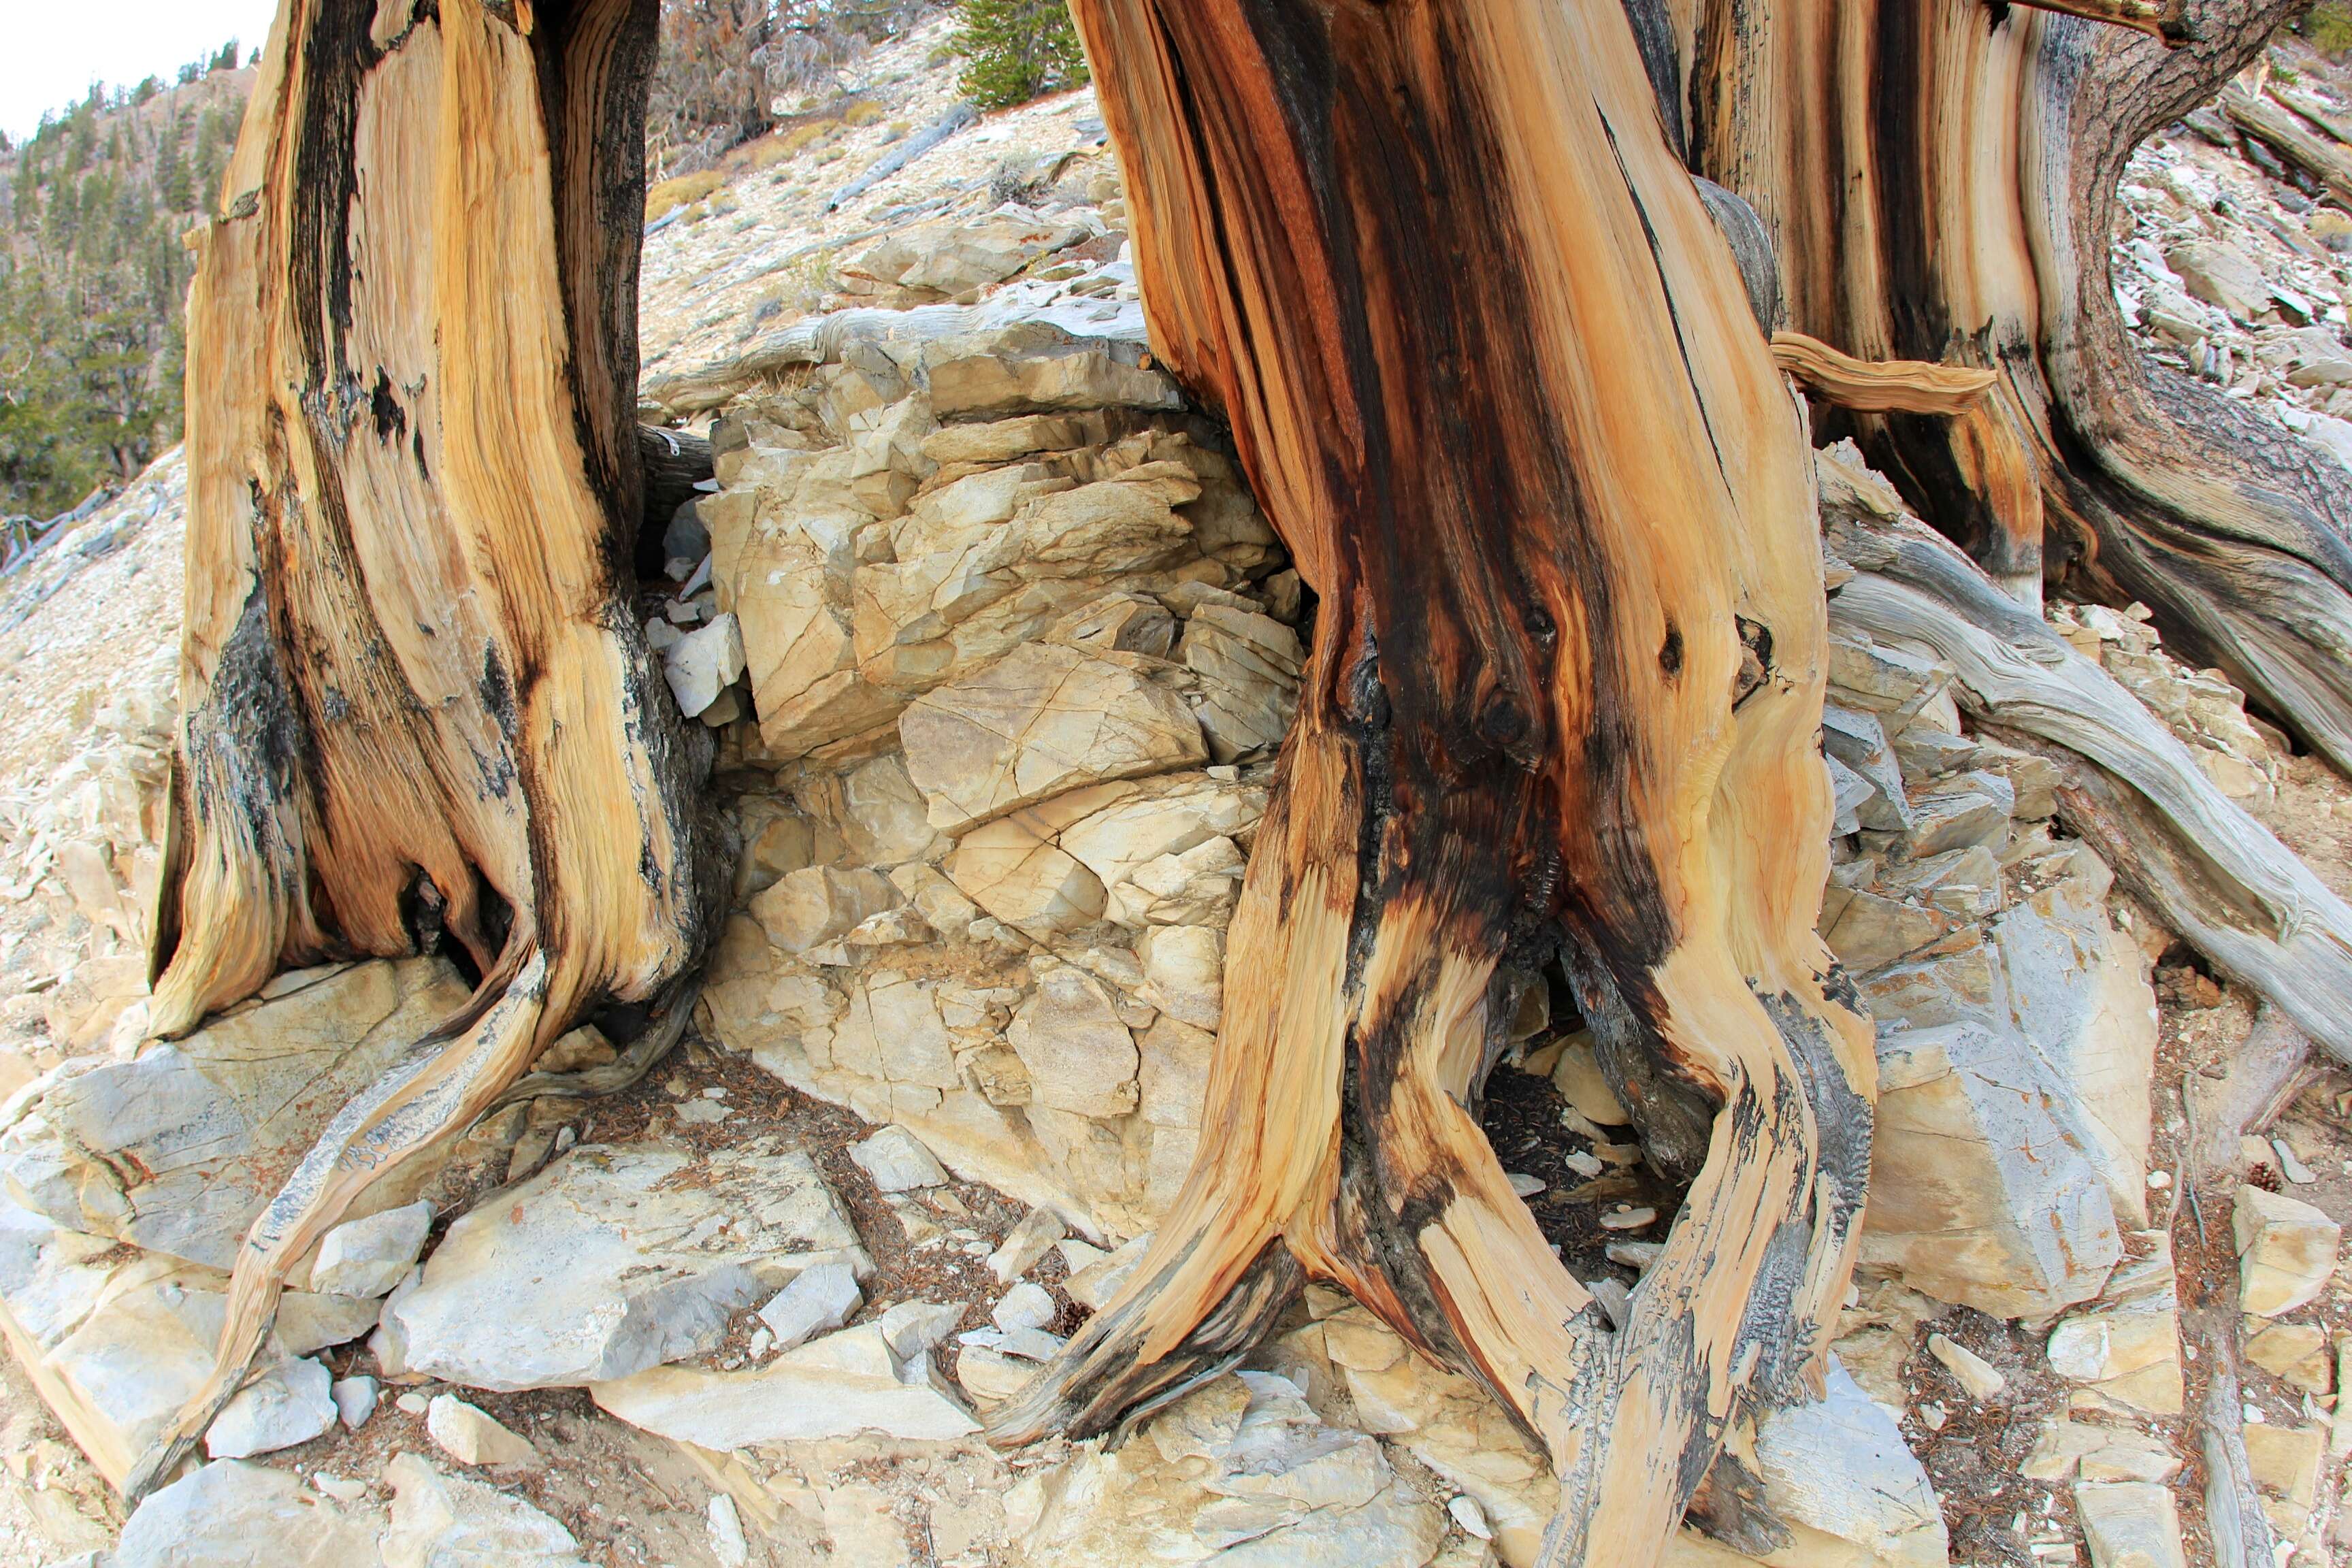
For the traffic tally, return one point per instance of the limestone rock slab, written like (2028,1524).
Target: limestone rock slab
(1839,1466)
(1979,1193)
(1241,1472)
(179,1149)
(615,1259)
(233,1515)
(845,1383)
(447,1522)
(1043,719)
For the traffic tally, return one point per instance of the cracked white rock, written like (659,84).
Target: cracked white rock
(1031,1236)
(449,1522)
(1977,1376)
(1081,1059)
(354,1400)
(1240,1472)
(2286,1251)
(292,1405)
(2130,1524)
(817,1302)
(179,1149)
(1042,719)
(704,663)
(1840,1466)
(364,1258)
(898,1162)
(1027,1305)
(843,1384)
(229,1514)
(613,1259)
(472,1435)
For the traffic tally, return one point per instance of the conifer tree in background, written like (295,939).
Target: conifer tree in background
(1018,49)
(93,279)
(171,184)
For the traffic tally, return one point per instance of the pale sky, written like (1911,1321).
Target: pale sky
(51,52)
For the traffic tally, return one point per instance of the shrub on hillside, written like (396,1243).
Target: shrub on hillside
(2328,26)
(1017,49)
(685,191)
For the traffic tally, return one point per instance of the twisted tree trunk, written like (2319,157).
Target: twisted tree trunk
(1939,179)
(1494,373)
(415,701)
(1497,376)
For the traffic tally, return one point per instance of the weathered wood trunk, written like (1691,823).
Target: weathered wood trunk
(1495,376)
(1938,178)
(417,705)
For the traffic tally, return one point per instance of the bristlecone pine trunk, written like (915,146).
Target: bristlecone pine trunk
(1500,368)
(1495,376)
(415,699)
(1938,181)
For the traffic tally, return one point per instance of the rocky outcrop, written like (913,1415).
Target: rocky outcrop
(1240,1471)
(1009,667)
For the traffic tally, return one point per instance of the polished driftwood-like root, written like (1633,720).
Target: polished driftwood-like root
(2285,132)
(1563,699)
(1880,387)
(416,708)
(2131,790)
(2161,19)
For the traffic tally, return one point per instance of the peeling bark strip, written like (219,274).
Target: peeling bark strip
(414,698)
(1496,377)
(1939,180)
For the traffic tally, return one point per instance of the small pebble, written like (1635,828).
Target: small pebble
(1629,1219)
(2158,1180)
(1470,1517)
(1970,1370)
(354,1400)
(2292,1169)
(1637,1255)
(727,1542)
(1932,1416)
(1526,1186)
(1582,1163)
(414,1404)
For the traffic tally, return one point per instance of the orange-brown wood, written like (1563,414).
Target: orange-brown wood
(1494,376)
(1939,179)
(415,702)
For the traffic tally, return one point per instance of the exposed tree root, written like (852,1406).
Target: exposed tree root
(1939,181)
(2213,873)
